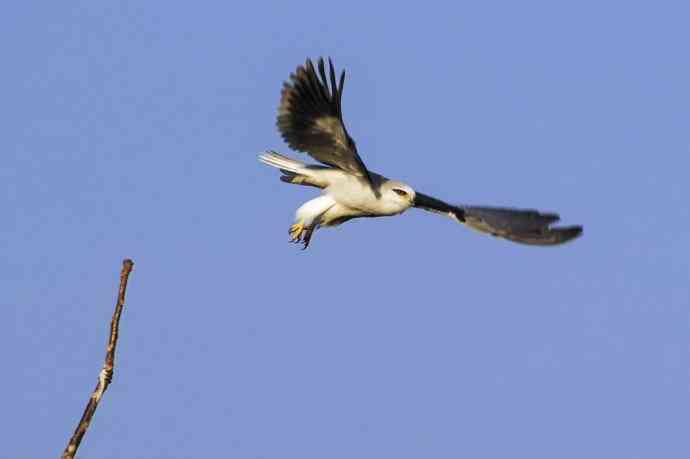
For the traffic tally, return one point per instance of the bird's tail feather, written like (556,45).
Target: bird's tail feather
(295,172)
(271,158)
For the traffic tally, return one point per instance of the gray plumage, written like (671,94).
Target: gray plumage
(310,120)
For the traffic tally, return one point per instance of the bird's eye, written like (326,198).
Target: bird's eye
(400,192)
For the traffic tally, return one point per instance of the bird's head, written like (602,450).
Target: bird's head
(397,196)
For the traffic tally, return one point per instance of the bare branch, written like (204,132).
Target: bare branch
(106,374)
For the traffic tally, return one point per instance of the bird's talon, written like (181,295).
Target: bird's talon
(296,232)
(299,233)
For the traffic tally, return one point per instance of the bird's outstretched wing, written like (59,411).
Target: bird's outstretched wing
(523,226)
(310,118)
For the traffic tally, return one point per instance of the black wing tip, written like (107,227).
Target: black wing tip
(546,237)
(568,233)
(314,70)
(310,89)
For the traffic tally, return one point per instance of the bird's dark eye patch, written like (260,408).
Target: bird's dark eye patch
(400,192)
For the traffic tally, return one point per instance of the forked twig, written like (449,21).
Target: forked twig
(106,374)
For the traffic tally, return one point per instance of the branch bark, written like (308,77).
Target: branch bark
(106,374)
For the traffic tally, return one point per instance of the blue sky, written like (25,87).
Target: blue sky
(131,129)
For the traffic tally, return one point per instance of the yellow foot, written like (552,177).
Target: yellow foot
(300,233)
(296,231)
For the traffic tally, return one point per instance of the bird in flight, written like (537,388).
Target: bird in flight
(310,120)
